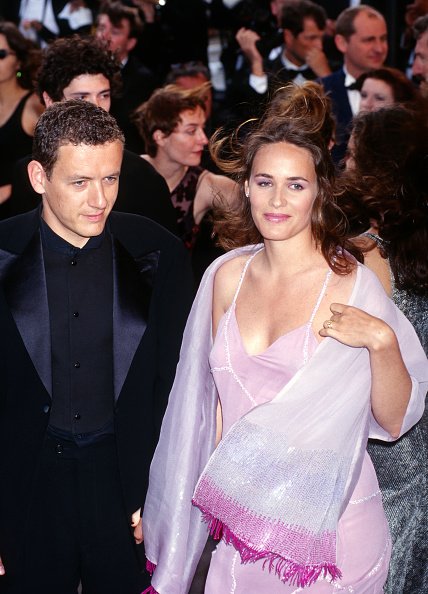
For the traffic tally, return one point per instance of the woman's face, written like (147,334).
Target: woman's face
(185,144)
(375,94)
(282,189)
(9,65)
(349,158)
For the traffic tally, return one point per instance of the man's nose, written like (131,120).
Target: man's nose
(417,67)
(97,197)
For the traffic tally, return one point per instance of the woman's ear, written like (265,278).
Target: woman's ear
(159,137)
(246,189)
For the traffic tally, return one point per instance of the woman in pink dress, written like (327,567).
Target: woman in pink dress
(307,356)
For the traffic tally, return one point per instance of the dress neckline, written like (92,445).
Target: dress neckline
(272,344)
(307,325)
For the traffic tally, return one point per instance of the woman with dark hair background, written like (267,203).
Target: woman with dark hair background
(172,124)
(385,87)
(386,193)
(20,107)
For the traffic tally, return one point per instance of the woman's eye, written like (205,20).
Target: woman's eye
(296,186)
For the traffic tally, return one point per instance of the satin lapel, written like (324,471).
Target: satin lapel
(132,286)
(26,294)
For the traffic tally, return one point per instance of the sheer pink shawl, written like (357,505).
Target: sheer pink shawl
(281,477)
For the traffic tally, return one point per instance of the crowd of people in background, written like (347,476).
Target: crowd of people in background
(361,72)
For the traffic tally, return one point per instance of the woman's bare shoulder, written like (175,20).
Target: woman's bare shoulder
(32,111)
(227,279)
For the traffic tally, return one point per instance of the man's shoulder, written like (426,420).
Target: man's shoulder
(135,67)
(138,233)
(333,80)
(16,231)
(133,163)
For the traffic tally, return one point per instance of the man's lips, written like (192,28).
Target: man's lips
(95,217)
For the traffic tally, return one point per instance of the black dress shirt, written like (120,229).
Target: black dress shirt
(80,297)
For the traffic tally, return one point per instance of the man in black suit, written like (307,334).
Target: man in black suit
(92,308)
(362,37)
(76,68)
(120,26)
(300,58)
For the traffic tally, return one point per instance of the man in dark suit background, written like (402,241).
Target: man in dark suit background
(362,37)
(92,308)
(76,68)
(300,58)
(120,27)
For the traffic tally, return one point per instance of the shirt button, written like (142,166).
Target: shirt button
(75,314)
(73,262)
(77,365)
(77,417)
(46,408)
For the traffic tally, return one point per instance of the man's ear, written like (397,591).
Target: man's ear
(37,176)
(341,43)
(131,43)
(46,99)
(288,37)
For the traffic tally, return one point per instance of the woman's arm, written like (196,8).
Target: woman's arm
(391,383)
(211,185)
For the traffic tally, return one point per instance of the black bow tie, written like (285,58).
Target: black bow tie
(352,87)
(291,73)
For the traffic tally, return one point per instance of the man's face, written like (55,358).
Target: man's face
(94,88)
(81,191)
(420,63)
(297,48)
(367,48)
(117,37)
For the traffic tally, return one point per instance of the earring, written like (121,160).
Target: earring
(18,74)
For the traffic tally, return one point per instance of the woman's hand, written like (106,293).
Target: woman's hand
(391,383)
(356,328)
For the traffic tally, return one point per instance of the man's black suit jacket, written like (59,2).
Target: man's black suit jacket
(334,86)
(138,83)
(152,295)
(142,190)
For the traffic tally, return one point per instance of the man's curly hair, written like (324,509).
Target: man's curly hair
(67,58)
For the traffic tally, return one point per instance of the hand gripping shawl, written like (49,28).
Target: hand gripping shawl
(279,480)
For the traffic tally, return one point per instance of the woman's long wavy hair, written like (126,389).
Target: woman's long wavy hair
(300,116)
(387,187)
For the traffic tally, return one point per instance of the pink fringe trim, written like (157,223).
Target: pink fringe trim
(150,568)
(295,574)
